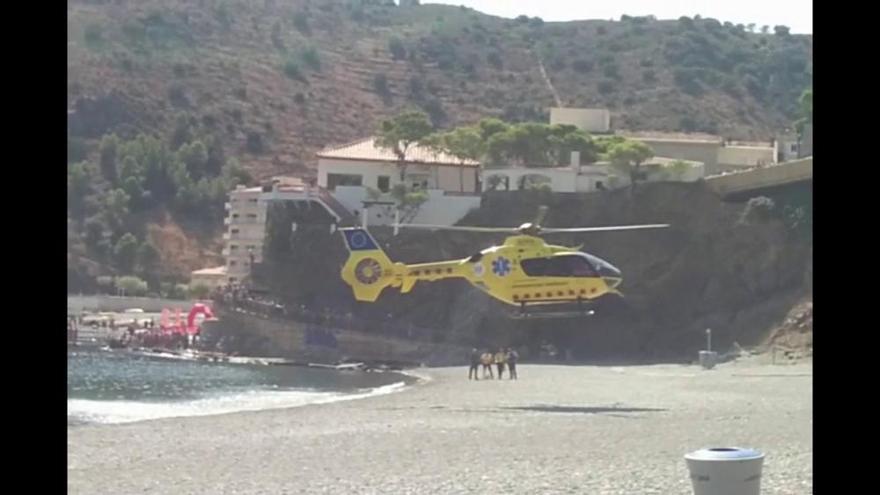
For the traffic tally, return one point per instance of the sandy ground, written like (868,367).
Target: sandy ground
(559,429)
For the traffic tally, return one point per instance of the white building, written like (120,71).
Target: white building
(578,178)
(246,227)
(362,175)
(592,120)
(714,152)
(209,277)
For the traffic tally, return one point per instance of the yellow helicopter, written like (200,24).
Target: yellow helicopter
(524,271)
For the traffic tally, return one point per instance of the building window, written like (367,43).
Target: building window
(253,200)
(383,182)
(234,231)
(334,180)
(233,263)
(252,215)
(794,148)
(233,247)
(235,215)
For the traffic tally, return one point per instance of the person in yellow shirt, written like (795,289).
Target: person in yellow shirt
(486,359)
(500,359)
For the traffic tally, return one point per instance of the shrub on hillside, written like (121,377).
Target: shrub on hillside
(380,84)
(311,58)
(293,71)
(494,59)
(395,46)
(255,142)
(583,65)
(301,23)
(93,35)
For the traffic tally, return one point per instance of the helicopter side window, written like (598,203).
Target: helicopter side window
(535,267)
(558,266)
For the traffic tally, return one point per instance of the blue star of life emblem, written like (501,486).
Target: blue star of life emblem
(501,266)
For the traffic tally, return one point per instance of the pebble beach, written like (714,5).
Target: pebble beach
(558,429)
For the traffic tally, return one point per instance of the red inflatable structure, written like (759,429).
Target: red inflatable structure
(179,326)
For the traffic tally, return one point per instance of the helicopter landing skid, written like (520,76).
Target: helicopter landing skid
(555,310)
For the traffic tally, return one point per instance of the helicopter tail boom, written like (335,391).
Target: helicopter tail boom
(368,269)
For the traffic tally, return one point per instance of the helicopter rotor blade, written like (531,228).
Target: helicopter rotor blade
(604,229)
(460,228)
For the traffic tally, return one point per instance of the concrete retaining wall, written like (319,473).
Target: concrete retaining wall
(254,335)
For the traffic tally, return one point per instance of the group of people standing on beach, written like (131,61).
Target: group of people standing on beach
(503,358)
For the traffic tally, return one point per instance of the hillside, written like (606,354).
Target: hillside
(270,82)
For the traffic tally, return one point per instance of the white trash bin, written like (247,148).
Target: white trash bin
(708,359)
(725,471)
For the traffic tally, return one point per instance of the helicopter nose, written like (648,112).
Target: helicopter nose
(609,273)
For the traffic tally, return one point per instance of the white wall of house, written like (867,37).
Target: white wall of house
(440,208)
(733,157)
(587,178)
(368,171)
(698,151)
(561,179)
(444,177)
(587,119)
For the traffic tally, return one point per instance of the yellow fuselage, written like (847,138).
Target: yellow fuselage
(498,270)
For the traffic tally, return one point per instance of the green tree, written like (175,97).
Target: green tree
(199,291)
(234,174)
(464,143)
(628,157)
(490,126)
(80,178)
(806,102)
(147,258)
(398,134)
(806,110)
(131,286)
(539,145)
(115,209)
(182,130)
(408,201)
(195,156)
(125,253)
(108,151)
(94,234)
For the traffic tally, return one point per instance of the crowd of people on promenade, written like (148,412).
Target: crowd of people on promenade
(502,359)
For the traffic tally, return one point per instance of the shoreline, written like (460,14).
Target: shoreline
(85,410)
